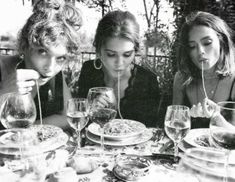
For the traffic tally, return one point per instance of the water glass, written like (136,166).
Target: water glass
(17,110)
(77,115)
(177,124)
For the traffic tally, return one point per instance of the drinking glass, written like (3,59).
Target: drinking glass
(17,110)
(177,124)
(222,129)
(77,116)
(222,126)
(102,105)
(207,165)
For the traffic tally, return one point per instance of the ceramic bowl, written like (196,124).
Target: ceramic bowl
(131,168)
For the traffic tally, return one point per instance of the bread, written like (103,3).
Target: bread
(82,165)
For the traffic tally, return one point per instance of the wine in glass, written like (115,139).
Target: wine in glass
(77,116)
(102,103)
(17,110)
(177,124)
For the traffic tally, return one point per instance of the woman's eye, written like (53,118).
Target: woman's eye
(127,55)
(207,42)
(42,51)
(61,60)
(110,54)
(191,46)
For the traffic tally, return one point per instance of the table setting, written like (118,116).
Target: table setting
(116,149)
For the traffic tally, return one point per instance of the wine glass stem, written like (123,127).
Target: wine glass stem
(102,138)
(78,139)
(176,151)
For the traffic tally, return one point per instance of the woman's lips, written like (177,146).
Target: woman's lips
(203,60)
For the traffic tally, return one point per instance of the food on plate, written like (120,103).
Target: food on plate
(49,136)
(119,127)
(82,165)
(203,141)
(46,132)
(13,137)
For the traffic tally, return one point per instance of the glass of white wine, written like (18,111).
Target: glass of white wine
(17,110)
(77,116)
(177,124)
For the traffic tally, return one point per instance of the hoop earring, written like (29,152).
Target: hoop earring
(95,65)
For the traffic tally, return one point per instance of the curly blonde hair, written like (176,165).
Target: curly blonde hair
(52,21)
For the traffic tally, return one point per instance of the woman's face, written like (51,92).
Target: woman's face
(46,61)
(204,47)
(116,55)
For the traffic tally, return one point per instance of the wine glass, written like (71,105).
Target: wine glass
(17,110)
(222,128)
(77,116)
(102,103)
(207,165)
(177,124)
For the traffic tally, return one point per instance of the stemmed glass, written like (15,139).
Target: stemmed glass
(77,116)
(222,129)
(17,110)
(177,124)
(102,105)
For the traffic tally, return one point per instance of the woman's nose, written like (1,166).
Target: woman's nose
(201,50)
(51,63)
(119,60)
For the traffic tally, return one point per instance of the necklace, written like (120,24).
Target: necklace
(210,94)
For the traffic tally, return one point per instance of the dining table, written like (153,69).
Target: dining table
(158,149)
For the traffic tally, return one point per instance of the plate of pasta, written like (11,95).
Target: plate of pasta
(118,129)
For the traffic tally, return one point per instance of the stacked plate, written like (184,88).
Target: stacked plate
(120,132)
(34,140)
(196,138)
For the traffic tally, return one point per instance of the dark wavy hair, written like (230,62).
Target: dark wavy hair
(52,21)
(117,24)
(225,65)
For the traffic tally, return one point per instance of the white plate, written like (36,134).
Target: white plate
(95,129)
(195,135)
(145,136)
(54,138)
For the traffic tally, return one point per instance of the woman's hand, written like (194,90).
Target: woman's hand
(204,109)
(102,101)
(25,80)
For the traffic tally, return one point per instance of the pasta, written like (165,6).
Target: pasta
(119,127)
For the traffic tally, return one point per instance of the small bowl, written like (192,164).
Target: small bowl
(131,168)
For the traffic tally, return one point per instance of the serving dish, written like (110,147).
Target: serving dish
(118,129)
(131,167)
(145,136)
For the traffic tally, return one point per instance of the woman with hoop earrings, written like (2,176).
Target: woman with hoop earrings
(136,89)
